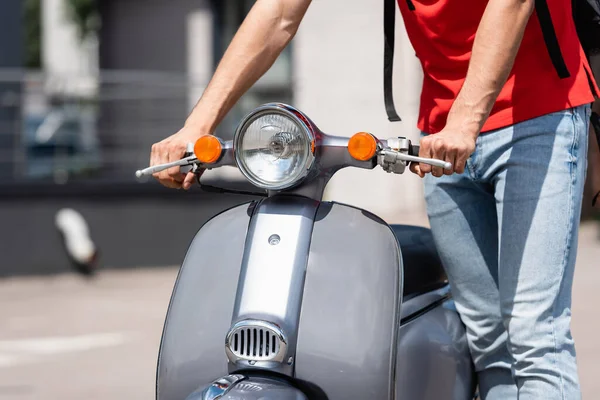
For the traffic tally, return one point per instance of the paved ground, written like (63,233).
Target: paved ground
(69,338)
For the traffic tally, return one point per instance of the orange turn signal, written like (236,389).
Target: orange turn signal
(362,146)
(208,149)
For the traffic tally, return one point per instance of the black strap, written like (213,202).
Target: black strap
(595,4)
(389,28)
(543,13)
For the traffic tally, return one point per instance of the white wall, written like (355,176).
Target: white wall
(199,52)
(338,71)
(72,65)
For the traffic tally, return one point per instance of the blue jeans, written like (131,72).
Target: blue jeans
(506,230)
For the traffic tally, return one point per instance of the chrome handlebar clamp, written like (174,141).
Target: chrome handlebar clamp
(389,161)
(184,169)
(390,158)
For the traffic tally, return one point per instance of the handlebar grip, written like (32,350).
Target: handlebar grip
(414,149)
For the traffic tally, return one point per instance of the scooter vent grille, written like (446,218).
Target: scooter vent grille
(255,342)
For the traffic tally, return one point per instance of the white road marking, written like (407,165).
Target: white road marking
(14,352)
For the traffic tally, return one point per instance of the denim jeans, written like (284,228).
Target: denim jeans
(506,230)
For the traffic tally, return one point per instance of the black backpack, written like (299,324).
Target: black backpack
(586,14)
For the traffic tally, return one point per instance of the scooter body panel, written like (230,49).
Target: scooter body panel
(351,305)
(199,315)
(433,359)
(348,339)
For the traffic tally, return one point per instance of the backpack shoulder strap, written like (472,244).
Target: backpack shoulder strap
(543,13)
(389,28)
(595,4)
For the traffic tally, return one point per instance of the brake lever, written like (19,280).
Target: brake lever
(431,161)
(186,161)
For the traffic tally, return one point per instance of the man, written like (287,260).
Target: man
(505,219)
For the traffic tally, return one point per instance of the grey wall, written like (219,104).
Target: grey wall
(144,35)
(131,229)
(11,51)
(11,33)
(156,29)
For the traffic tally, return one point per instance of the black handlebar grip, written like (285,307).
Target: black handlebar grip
(414,150)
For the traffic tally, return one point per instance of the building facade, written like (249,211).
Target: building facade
(92,113)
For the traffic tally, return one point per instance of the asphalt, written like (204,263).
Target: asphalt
(67,337)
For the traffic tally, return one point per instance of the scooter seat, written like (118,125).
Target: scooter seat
(423,271)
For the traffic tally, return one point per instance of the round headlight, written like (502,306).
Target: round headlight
(273,148)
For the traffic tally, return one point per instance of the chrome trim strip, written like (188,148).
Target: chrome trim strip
(415,304)
(397,319)
(426,309)
(271,282)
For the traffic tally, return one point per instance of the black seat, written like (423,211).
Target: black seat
(423,269)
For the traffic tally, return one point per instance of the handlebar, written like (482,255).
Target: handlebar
(387,157)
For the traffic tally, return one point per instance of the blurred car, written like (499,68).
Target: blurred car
(61,142)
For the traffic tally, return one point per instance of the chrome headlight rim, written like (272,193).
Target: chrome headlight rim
(291,113)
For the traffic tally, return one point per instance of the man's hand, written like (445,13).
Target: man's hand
(449,145)
(172,149)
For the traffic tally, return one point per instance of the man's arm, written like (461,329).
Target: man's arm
(494,50)
(267,29)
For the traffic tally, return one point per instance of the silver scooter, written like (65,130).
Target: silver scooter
(292,297)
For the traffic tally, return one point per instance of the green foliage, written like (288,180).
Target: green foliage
(33,32)
(85,15)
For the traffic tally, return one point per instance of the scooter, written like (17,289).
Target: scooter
(292,297)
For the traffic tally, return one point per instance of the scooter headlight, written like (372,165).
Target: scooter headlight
(274,147)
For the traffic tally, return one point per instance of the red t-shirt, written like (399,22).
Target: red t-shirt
(442,33)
